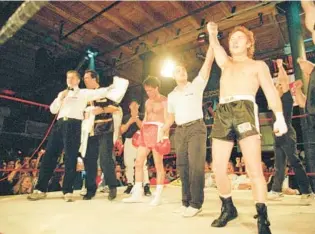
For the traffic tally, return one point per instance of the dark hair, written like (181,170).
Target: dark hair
(74,72)
(134,100)
(152,81)
(94,74)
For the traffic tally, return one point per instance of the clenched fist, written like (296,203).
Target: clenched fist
(212,28)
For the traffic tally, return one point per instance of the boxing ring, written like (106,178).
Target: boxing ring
(53,215)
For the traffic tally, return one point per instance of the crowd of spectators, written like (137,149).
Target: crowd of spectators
(19,176)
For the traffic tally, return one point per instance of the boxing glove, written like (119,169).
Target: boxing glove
(163,147)
(136,139)
(118,148)
(279,126)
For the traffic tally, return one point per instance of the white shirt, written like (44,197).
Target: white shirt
(75,102)
(186,103)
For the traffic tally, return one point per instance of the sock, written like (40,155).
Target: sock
(159,187)
(226,196)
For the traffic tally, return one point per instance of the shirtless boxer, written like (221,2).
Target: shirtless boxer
(154,118)
(237,117)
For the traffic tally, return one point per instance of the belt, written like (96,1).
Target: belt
(63,119)
(102,120)
(189,123)
(234,98)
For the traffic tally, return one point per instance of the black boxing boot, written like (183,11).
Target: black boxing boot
(112,193)
(262,219)
(129,188)
(228,213)
(147,191)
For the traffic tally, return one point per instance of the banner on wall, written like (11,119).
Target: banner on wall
(210,101)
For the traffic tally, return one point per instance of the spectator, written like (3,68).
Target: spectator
(23,186)
(238,165)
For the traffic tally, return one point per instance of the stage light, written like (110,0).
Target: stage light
(168,68)
(202,38)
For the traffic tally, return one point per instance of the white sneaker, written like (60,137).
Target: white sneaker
(181,210)
(191,212)
(36,195)
(68,197)
(101,189)
(307,199)
(83,192)
(133,199)
(275,196)
(156,201)
(136,196)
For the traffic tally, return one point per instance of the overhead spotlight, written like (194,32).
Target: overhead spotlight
(203,23)
(91,53)
(220,35)
(114,61)
(136,50)
(168,68)
(261,19)
(177,32)
(120,56)
(202,38)
(156,42)
(233,9)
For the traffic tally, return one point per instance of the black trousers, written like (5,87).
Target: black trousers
(100,146)
(309,149)
(285,148)
(190,146)
(65,135)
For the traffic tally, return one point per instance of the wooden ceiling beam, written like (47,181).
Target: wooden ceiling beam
(246,16)
(224,24)
(225,8)
(118,20)
(184,11)
(158,16)
(89,27)
(273,18)
(150,16)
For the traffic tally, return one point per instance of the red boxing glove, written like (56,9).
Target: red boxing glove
(136,139)
(118,148)
(163,147)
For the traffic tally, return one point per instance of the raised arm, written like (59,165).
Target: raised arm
(283,78)
(220,55)
(204,72)
(114,92)
(92,95)
(206,67)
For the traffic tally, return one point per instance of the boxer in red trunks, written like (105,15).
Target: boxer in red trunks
(154,119)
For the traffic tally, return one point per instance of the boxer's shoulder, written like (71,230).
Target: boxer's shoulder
(163,98)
